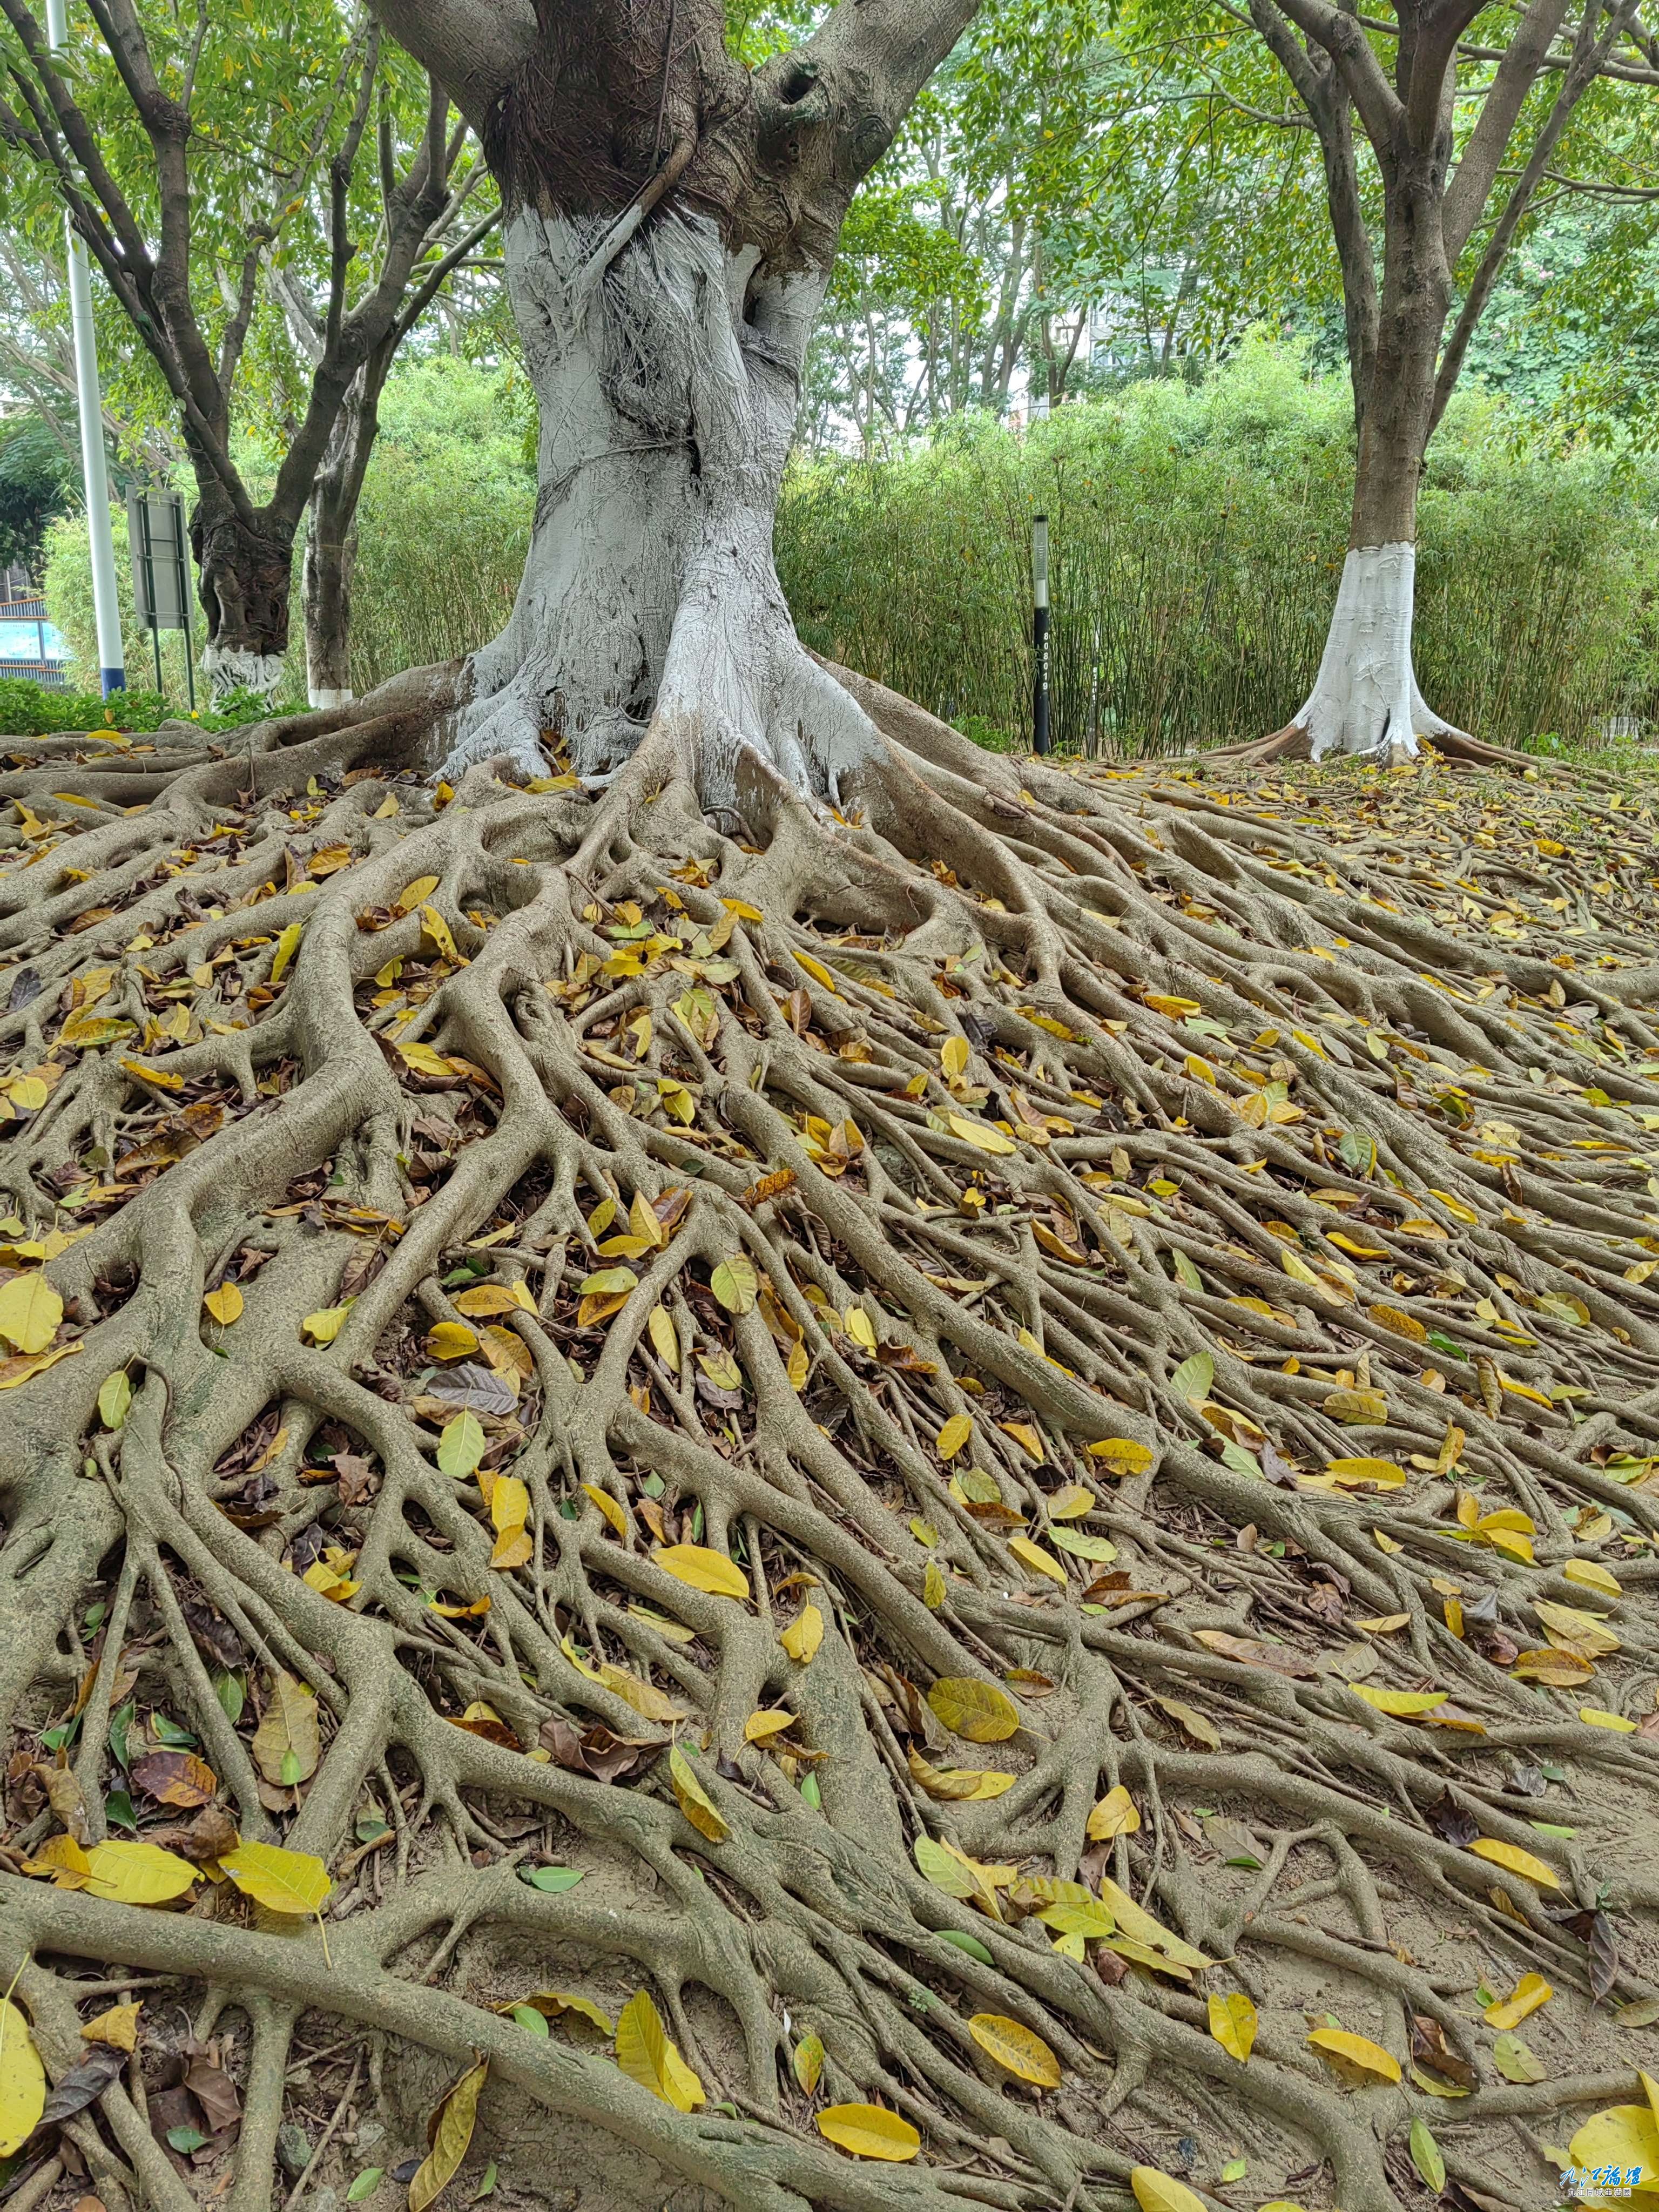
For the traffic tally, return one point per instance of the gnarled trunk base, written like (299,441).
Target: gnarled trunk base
(244,582)
(667,378)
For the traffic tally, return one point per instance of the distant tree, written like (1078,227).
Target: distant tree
(37,482)
(1440,130)
(197,156)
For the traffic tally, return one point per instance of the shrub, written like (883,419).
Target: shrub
(29,710)
(1198,535)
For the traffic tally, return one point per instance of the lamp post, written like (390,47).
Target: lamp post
(1040,634)
(112,660)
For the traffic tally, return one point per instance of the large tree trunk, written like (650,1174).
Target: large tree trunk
(331,551)
(1365,698)
(331,557)
(671,228)
(244,582)
(668,383)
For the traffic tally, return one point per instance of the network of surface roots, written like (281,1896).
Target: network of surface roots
(1151,1266)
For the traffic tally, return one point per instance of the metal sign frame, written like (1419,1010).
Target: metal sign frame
(161,571)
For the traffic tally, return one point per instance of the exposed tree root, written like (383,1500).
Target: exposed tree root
(1293,742)
(1293,1135)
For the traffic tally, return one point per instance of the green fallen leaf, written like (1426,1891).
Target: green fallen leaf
(1193,1378)
(114,1397)
(365,2184)
(964,1941)
(1514,2060)
(1425,2155)
(551,1879)
(461,1446)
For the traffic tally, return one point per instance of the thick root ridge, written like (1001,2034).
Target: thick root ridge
(993,1414)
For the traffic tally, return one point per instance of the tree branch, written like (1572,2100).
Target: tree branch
(1519,71)
(1615,72)
(422,299)
(349,339)
(1433,59)
(1376,101)
(1589,54)
(470,47)
(878,55)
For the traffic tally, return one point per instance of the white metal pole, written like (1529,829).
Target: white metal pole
(112,660)
(1040,742)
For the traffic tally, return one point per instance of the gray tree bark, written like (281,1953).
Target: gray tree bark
(670,223)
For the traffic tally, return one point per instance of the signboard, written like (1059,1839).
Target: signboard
(161,570)
(161,559)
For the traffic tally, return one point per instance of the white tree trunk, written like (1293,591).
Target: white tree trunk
(1365,698)
(235,668)
(667,377)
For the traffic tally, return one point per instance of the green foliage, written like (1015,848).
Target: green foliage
(1199,532)
(28,710)
(444,523)
(36,484)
